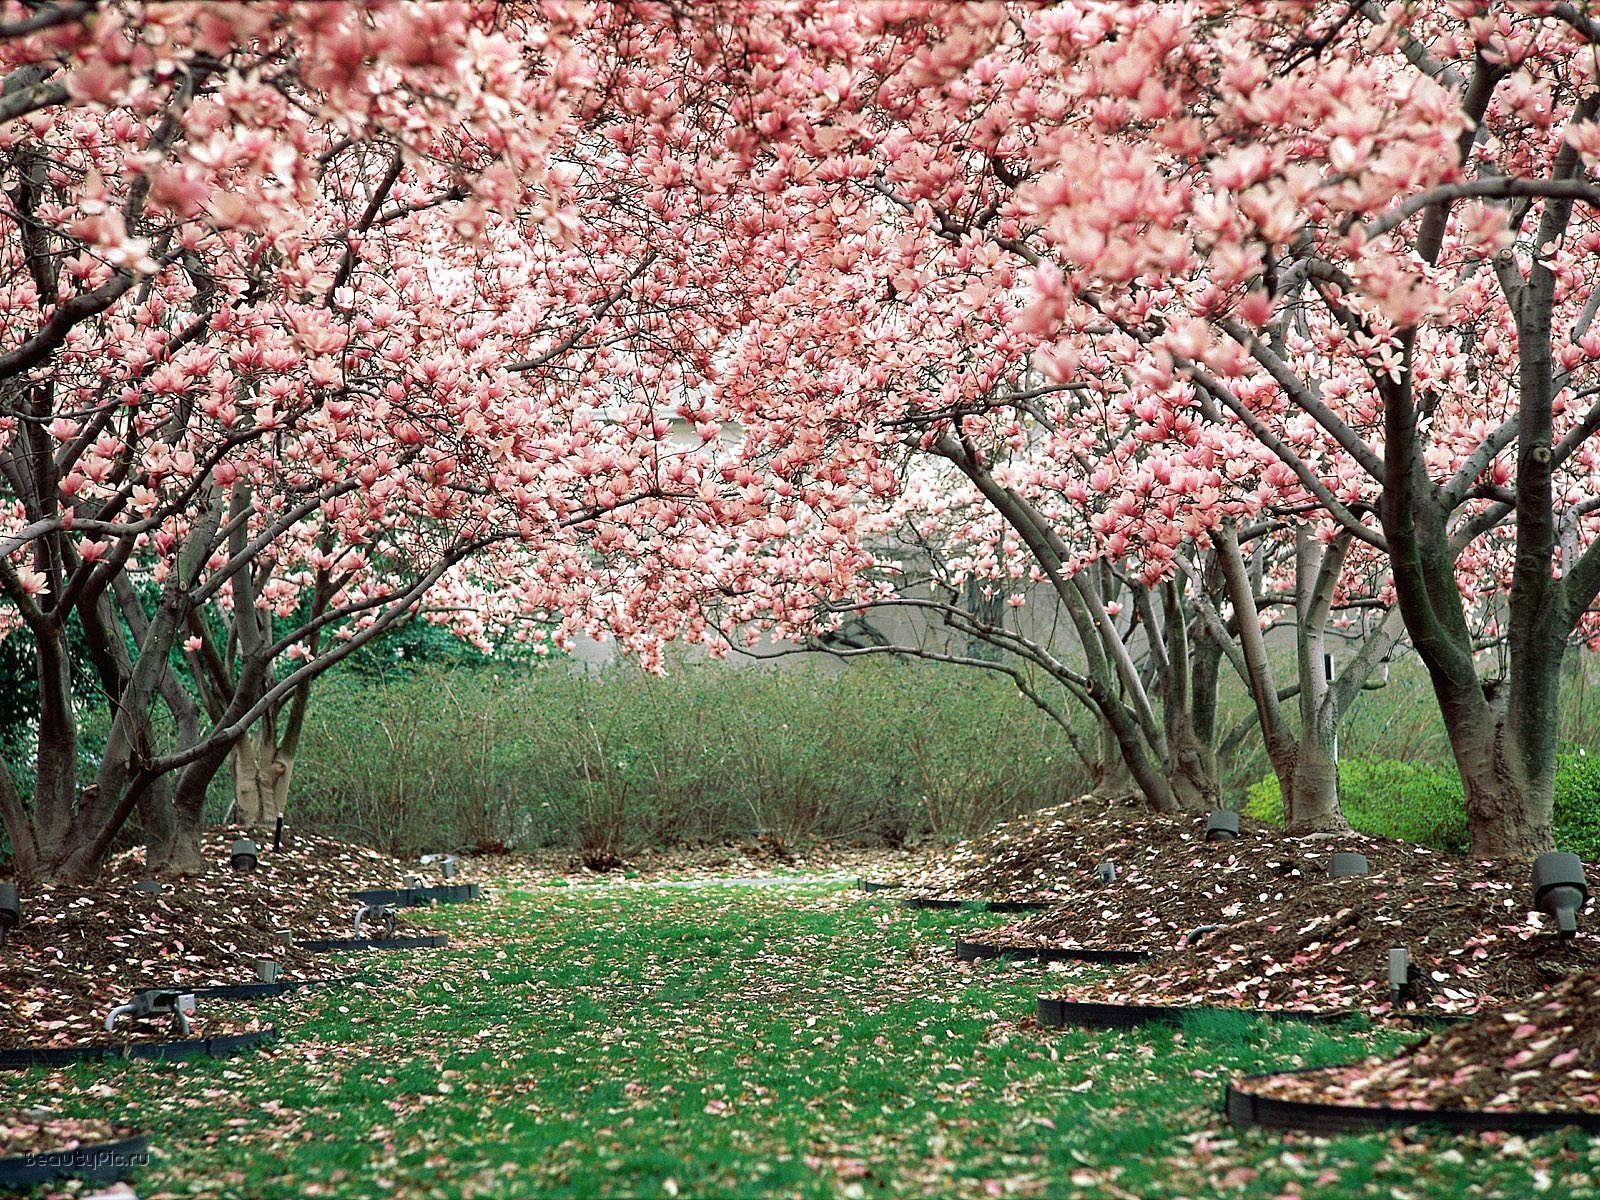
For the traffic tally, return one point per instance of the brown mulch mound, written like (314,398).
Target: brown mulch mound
(1323,944)
(37,1131)
(1540,1056)
(1166,890)
(80,950)
(1049,854)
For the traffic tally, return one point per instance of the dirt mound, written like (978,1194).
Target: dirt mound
(81,950)
(38,1131)
(1539,1056)
(1049,854)
(1166,889)
(1323,945)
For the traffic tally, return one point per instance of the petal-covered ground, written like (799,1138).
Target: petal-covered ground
(1050,854)
(1322,945)
(1167,889)
(1541,1054)
(38,1130)
(81,950)
(798,1040)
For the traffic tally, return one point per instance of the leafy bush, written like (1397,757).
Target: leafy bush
(1409,801)
(1577,805)
(1423,804)
(605,762)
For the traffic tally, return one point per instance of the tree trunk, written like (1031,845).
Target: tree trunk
(262,771)
(179,853)
(1109,776)
(1311,797)
(1193,783)
(1508,809)
(157,824)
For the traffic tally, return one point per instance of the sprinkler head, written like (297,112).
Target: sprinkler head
(1560,890)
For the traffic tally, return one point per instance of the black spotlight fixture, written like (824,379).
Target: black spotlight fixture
(1560,890)
(244,856)
(1106,872)
(1222,826)
(1346,863)
(10,909)
(146,887)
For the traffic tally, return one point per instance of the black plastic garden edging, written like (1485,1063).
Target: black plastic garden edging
(221,1046)
(1246,1111)
(259,991)
(454,893)
(994,906)
(975,951)
(425,942)
(104,1162)
(872,885)
(1056,1013)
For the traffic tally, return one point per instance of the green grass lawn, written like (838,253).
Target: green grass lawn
(798,1040)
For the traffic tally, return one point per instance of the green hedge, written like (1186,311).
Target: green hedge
(616,760)
(1423,804)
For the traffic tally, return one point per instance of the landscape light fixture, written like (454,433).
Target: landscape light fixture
(146,887)
(10,909)
(280,838)
(1399,974)
(447,863)
(413,880)
(380,914)
(267,969)
(1222,826)
(286,936)
(152,1002)
(1106,872)
(1346,863)
(1560,890)
(244,856)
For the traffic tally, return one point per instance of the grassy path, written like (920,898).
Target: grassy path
(795,1040)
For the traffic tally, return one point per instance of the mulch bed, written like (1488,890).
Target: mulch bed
(1051,853)
(1541,1055)
(38,1131)
(1167,889)
(1323,945)
(81,950)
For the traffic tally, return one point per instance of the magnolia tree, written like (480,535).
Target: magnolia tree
(1368,240)
(321,317)
(1355,238)
(899,139)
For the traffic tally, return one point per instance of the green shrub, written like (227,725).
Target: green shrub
(1409,801)
(615,760)
(1423,804)
(1577,805)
